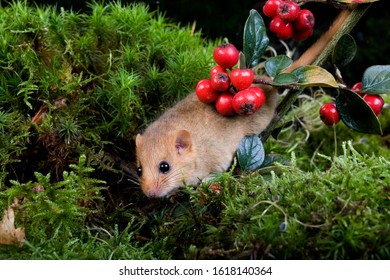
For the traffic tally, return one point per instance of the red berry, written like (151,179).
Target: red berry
(358,88)
(259,92)
(247,101)
(226,55)
(270,7)
(284,30)
(224,105)
(304,21)
(275,24)
(217,69)
(241,78)
(288,11)
(216,188)
(301,35)
(329,114)
(376,102)
(220,82)
(205,92)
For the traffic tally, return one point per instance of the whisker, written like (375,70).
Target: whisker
(133,180)
(175,173)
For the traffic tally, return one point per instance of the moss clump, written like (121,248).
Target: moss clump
(341,213)
(304,133)
(85,83)
(81,85)
(76,88)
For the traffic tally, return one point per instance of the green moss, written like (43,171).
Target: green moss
(114,68)
(341,213)
(82,85)
(304,134)
(76,88)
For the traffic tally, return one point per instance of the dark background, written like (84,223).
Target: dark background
(226,18)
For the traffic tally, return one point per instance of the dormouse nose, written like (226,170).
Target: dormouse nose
(153,192)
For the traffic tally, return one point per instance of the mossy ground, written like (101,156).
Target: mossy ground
(97,78)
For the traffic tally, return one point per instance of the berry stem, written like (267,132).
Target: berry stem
(261,81)
(264,82)
(317,55)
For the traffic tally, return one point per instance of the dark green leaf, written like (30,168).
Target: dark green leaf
(285,79)
(356,113)
(276,64)
(250,153)
(344,51)
(376,79)
(312,75)
(255,39)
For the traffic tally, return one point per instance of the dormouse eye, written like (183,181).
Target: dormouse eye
(139,171)
(164,167)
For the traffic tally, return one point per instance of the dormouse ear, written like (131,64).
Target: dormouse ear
(183,141)
(138,139)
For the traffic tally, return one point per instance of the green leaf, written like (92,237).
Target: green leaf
(344,51)
(276,64)
(250,153)
(255,39)
(285,79)
(356,113)
(312,75)
(376,79)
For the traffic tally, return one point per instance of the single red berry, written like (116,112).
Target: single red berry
(226,55)
(259,92)
(270,7)
(358,88)
(283,30)
(329,114)
(275,24)
(224,104)
(241,78)
(376,102)
(205,92)
(220,82)
(247,102)
(301,35)
(304,21)
(217,69)
(288,11)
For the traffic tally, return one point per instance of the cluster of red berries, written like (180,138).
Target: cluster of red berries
(230,90)
(289,20)
(330,116)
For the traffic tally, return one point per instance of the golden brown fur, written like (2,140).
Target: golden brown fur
(196,141)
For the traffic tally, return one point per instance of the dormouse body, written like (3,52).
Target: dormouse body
(191,140)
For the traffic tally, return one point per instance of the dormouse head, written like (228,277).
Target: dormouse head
(163,164)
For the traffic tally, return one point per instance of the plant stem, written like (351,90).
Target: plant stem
(284,106)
